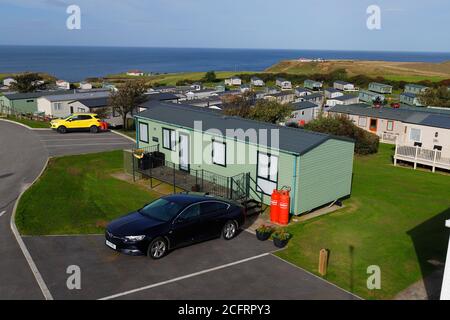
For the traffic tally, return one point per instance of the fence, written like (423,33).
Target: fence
(420,155)
(153,165)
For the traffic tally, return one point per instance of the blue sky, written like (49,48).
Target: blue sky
(290,24)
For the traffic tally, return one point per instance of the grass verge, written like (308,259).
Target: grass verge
(31,123)
(395,219)
(78,195)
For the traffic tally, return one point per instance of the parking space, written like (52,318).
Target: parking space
(216,269)
(81,142)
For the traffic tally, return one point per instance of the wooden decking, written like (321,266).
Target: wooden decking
(417,155)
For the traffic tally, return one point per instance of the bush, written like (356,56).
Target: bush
(365,142)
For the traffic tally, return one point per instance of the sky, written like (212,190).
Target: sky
(406,25)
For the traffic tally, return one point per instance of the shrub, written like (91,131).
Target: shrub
(281,234)
(264,229)
(340,125)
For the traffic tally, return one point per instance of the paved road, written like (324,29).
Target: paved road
(81,142)
(23,154)
(22,157)
(242,268)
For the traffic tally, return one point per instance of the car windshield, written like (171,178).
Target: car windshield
(161,209)
(67,118)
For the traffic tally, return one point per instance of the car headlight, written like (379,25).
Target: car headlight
(134,238)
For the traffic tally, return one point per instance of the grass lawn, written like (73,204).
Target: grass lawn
(129,133)
(77,195)
(30,123)
(376,228)
(413,78)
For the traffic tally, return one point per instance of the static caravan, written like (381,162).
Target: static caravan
(316,167)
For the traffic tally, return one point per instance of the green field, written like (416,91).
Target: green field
(170,79)
(394,219)
(78,195)
(31,123)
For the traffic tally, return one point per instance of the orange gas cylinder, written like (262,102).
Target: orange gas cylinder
(285,205)
(274,206)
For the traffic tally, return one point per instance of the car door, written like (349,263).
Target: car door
(71,122)
(83,121)
(213,214)
(186,227)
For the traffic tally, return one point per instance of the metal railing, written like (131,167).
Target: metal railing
(420,155)
(154,166)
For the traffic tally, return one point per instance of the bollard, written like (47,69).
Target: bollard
(323,262)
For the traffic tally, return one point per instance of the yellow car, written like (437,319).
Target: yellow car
(78,122)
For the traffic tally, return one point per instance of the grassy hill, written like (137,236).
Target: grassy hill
(406,71)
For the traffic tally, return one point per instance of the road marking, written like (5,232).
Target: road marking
(2,213)
(94,139)
(23,247)
(87,145)
(184,277)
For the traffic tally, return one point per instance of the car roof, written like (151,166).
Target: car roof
(186,199)
(84,114)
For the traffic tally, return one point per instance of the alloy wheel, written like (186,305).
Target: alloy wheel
(158,249)
(230,230)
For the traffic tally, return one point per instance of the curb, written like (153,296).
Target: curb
(18,123)
(123,135)
(26,253)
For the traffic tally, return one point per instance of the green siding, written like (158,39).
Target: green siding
(285,160)
(321,175)
(20,105)
(325,174)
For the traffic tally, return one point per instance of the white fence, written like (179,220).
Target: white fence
(418,155)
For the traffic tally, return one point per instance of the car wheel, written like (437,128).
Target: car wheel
(229,230)
(62,129)
(157,248)
(94,129)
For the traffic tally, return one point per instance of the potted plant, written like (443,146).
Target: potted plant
(264,232)
(138,153)
(281,238)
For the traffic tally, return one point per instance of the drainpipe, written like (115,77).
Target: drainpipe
(137,131)
(294,185)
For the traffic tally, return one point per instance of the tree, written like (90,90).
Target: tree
(340,125)
(436,97)
(127,98)
(210,76)
(238,105)
(28,82)
(270,111)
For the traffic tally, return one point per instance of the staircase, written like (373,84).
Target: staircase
(252,207)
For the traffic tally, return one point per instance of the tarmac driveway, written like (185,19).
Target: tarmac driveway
(242,268)
(81,142)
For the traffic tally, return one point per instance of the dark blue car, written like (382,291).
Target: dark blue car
(174,221)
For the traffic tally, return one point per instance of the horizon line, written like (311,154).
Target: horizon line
(213,48)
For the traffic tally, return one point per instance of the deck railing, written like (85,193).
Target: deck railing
(199,180)
(419,155)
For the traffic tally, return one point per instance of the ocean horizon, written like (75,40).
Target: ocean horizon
(76,63)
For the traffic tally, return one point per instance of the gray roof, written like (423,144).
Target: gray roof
(93,102)
(345,97)
(409,94)
(418,86)
(303,105)
(301,89)
(342,82)
(78,96)
(33,95)
(332,90)
(292,140)
(440,120)
(379,84)
(161,96)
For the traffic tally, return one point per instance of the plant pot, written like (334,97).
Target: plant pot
(262,236)
(280,243)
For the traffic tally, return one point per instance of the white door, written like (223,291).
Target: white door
(184,152)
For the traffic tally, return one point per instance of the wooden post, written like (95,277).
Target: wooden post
(415,158)
(395,154)
(434,160)
(323,262)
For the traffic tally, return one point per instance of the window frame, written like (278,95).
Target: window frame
(392,125)
(268,178)
(213,141)
(140,131)
(359,121)
(410,134)
(172,140)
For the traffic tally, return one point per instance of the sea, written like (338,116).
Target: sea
(78,63)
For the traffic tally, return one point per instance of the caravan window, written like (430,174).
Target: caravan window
(219,150)
(143,132)
(168,139)
(267,170)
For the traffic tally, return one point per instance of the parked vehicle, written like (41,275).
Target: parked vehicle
(78,122)
(174,221)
